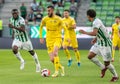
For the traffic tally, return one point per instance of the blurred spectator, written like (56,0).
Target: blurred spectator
(38,16)
(54,2)
(31,16)
(34,6)
(23,10)
(94,1)
(60,4)
(41,7)
(1,27)
(2,1)
(73,8)
(58,13)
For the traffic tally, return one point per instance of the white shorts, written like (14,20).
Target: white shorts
(23,45)
(105,52)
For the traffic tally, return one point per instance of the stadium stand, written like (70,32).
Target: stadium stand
(5,13)
(106,10)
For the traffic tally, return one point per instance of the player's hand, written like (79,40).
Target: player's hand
(10,25)
(82,31)
(93,41)
(41,40)
(68,40)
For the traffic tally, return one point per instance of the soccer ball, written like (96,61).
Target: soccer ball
(45,73)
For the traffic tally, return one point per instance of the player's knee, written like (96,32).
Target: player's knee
(15,49)
(89,57)
(75,49)
(107,63)
(32,52)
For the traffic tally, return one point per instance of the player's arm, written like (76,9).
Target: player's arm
(40,31)
(13,34)
(112,33)
(21,28)
(65,30)
(93,33)
(73,26)
(93,40)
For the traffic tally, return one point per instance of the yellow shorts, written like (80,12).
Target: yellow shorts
(51,43)
(73,43)
(116,42)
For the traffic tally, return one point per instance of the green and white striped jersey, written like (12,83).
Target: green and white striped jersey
(103,38)
(19,35)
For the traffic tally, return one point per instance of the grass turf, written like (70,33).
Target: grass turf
(87,73)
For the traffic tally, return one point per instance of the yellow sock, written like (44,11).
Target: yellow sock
(57,63)
(67,54)
(113,53)
(77,54)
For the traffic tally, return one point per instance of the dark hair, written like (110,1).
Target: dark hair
(91,13)
(117,17)
(14,10)
(67,10)
(52,7)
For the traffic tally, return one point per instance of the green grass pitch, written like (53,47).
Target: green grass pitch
(87,73)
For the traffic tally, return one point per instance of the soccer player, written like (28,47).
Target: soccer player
(71,25)
(54,25)
(115,36)
(102,45)
(21,39)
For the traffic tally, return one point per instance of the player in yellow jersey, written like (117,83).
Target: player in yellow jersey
(71,25)
(115,35)
(54,25)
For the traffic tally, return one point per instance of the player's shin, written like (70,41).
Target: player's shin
(67,54)
(97,62)
(112,70)
(19,57)
(38,67)
(77,54)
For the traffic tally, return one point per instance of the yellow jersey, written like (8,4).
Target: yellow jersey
(70,22)
(53,25)
(116,29)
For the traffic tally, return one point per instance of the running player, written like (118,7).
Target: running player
(21,39)
(71,25)
(115,36)
(54,25)
(102,45)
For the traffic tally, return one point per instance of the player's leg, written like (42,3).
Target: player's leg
(92,56)
(106,53)
(28,46)
(65,44)
(57,63)
(15,46)
(77,54)
(114,44)
(35,57)
(75,48)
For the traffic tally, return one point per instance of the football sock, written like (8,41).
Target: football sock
(19,57)
(35,57)
(77,54)
(97,62)
(67,54)
(112,70)
(113,53)
(57,63)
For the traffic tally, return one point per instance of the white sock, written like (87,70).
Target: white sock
(35,57)
(97,62)
(19,57)
(112,70)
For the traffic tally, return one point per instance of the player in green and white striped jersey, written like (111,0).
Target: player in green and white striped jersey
(21,39)
(102,45)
